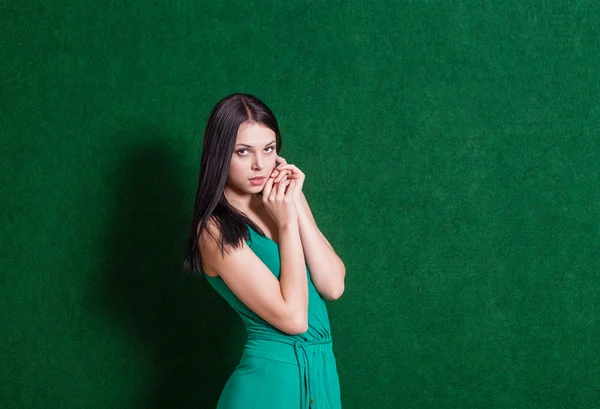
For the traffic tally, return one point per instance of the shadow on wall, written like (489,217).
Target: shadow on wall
(186,335)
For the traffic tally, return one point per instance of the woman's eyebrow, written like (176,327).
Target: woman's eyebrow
(250,146)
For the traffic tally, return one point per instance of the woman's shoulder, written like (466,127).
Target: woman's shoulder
(209,242)
(212,230)
(212,227)
(215,253)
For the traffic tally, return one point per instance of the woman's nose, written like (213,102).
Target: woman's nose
(259,163)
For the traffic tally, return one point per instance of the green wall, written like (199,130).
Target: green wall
(452,159)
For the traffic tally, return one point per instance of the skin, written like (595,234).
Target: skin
(254,155)
(284,302)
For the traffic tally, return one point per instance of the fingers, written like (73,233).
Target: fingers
(267,189)
(290,192)
(288,168)
(273,193)
(280,160)
(282,175)
(276,171)
(278,190)
(281,189)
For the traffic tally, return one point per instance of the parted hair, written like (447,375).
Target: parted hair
(217,149)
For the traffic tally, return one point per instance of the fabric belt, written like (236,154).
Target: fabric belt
(291,351)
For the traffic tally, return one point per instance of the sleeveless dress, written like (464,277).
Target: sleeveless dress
(278,370)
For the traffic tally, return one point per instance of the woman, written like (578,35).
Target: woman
(255,240)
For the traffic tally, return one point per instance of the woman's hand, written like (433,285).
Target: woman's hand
(291,172)
(278,199)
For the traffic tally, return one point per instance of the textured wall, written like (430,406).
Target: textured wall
(452,159)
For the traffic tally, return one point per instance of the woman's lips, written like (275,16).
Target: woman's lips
(257,181)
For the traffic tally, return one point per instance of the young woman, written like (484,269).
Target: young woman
(255,240)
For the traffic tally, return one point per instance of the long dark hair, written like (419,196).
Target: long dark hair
(219,140)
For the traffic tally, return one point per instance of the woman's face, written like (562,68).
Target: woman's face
(253,155)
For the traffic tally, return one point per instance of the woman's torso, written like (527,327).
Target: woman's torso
(279,370)
(268,251)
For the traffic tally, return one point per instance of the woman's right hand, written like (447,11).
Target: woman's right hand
(279,201)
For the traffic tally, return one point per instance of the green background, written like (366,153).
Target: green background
(452,159)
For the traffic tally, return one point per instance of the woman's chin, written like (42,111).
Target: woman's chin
(255,190)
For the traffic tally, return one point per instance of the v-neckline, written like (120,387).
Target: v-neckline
(267,237)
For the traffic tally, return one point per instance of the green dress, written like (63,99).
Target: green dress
(278,370)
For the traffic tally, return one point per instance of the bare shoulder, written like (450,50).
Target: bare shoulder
(216,262)
(210,235)
(209,245)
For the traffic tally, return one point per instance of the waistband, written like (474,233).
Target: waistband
(284,349)
(292,351)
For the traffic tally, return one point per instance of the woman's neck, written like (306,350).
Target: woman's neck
(246,204)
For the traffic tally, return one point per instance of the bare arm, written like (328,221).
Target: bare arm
(327,270)
(283,303)
(292,278)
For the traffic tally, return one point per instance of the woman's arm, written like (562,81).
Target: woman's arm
(327,270)
(284,303)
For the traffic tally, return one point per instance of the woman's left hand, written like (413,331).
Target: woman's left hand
(291,172)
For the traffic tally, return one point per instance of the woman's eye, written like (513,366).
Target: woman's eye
(240,152)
